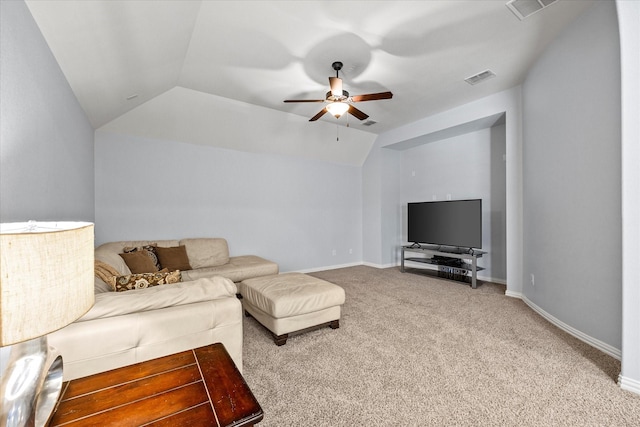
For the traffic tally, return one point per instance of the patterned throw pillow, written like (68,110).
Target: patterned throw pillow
(145,280)
(150,251)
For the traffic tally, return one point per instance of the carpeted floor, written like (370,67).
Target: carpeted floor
(414,350)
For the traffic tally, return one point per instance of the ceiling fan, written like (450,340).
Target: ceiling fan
(339,99)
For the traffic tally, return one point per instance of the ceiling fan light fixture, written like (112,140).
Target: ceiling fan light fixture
(337,109)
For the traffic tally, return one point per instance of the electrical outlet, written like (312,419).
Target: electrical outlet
(350,251)
(533,280)
(333,252)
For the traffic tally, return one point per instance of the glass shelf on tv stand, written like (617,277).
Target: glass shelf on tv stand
(447,254)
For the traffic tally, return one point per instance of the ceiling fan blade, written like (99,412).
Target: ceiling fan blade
(304,100)
(336,86)
(317,116)
(357,113)
(372,97)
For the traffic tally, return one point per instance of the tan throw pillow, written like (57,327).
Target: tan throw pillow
(146,280)
(150,251)
(139,262)
(104,271)
(174,258)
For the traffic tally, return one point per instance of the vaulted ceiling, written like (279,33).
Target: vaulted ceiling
(118,55)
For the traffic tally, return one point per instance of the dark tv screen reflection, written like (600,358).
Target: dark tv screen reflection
(456,223)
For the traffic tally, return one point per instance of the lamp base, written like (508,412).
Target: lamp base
(31,384)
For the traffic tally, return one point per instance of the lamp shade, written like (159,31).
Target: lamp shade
(46,277)
(337,108)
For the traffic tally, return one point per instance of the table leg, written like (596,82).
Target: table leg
(474,274)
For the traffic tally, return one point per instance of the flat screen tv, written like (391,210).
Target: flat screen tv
(456,223)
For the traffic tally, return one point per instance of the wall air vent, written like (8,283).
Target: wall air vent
(369,123)
(480,77)
(525,8)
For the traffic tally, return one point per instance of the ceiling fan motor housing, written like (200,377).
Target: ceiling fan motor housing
(343,97)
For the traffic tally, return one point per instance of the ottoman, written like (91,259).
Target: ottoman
(291,302)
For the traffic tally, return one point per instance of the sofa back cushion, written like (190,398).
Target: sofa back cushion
(206,252)
(100,286)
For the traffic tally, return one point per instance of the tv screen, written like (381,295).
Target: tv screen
(449,223)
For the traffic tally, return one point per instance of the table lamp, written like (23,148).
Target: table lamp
(46,282)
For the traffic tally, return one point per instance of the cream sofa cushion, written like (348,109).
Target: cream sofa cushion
(112,304)
(112,342)
(206,252)
(237,269)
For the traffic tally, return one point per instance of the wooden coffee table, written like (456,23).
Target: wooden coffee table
(199,387)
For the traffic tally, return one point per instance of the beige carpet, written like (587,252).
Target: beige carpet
(414,350)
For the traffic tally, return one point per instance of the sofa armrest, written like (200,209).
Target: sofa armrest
(110,304)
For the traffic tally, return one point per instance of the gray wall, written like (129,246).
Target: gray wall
(391,169)
(469,166)
(291,210)
(46,141)
(381,207)
(572,193)
(372,208)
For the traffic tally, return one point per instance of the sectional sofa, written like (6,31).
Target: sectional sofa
(142,320)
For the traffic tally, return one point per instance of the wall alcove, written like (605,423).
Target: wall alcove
(466,161)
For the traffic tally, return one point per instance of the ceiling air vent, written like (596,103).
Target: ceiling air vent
(480,77)
(369,123)
(525,8)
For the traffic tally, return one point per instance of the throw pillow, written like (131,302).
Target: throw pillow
(139,262)
(146,280)
(150,251)
(174,258)
(104,271)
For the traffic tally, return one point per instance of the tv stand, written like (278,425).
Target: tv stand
(445,257)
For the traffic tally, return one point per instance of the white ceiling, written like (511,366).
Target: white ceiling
(262,52)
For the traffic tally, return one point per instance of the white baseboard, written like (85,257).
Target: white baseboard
(352,264)
(629,384)
(327,267)
(593,342)
(492,280)
(514,294)
(370,264)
